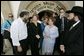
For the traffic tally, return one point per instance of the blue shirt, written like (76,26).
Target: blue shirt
(42,26)
(6,25)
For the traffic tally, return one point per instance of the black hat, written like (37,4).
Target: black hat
(76,9)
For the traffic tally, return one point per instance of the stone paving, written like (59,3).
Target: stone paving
(8,49)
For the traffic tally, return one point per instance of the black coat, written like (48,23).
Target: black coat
(61,33)
(33,31)
(59,22)
(73,40)
(33,40)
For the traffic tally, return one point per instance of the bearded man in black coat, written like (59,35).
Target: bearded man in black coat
(72,42)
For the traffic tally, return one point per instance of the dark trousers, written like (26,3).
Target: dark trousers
(24,46)
(71,52)
(7,36)
(41,42)
(1,43)
(34,47)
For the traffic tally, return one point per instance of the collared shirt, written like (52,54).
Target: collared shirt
(18,31)
(74,25)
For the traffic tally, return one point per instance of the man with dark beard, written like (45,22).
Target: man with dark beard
(72,42)
(19,34)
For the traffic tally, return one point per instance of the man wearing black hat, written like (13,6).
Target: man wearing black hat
(72,42)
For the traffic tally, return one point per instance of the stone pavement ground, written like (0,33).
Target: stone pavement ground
(8,50)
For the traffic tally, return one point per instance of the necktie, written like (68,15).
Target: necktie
(62,24)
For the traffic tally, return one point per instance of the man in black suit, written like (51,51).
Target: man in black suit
(72,42)
(61,22)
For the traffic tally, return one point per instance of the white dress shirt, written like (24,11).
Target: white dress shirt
(18,31)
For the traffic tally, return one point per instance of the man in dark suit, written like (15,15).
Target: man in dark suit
(61,22)
(72,42)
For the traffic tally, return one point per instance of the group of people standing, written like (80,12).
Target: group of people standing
(53,31)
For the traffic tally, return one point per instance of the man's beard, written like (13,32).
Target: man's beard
(25,20)
(71,22)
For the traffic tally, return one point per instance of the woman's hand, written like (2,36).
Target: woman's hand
(38,36)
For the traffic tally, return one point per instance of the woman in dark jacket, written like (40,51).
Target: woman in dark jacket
(34,33)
